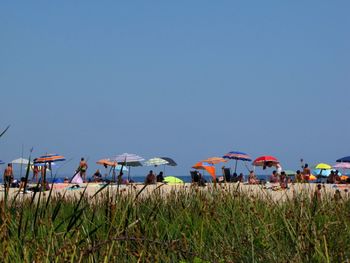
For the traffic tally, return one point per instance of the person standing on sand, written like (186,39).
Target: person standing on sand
(35,173)
(8,175)
(82,169)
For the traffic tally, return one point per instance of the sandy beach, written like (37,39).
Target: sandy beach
(269,192)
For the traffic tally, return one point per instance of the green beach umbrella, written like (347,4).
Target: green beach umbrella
(172,180)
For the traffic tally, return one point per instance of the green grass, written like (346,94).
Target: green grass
(185,226)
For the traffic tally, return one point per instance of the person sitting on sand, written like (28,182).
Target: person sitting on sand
(298,177)
(274,177)
(160,177)
(252,178)
(22,184)
(337,178)
(240,177)
(97,177)
(8,175)
(150,178)
(283,180)
(331,178)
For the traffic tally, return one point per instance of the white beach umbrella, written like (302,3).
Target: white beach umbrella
(20,161)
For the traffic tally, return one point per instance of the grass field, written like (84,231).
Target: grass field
(184,226)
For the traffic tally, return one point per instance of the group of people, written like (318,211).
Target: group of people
(153,178)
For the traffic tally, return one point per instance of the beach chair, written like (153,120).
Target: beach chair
(194,177)
(227,174)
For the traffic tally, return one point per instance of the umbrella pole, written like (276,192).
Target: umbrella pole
(129,174)
(236,166)
(21,162)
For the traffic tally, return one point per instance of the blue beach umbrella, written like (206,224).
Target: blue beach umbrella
(238,156)
(344,160)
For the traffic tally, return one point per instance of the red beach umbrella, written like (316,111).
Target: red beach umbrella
(266,161)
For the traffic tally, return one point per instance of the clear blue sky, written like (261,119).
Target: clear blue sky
(184,79)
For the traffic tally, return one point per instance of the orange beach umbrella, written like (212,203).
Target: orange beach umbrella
(210,168)
(107,162)
(215,160)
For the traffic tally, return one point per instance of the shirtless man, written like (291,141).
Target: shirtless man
(82,169)
(8,175)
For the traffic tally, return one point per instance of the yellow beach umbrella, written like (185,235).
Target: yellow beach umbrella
(173,180)
(323,166)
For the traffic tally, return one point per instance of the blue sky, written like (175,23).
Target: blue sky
(184,79)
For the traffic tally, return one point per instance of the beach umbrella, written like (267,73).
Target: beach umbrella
(342,166)
(266,161)
(170,161)
(20,161)
(129,159)
(107,162)
(238,156)
(114,166)
(47,160)
(155,161)
(210,168)
(323,166)
(214,160)
(172,180)
(322,170)
(344,160)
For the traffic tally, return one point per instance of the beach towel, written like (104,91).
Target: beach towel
(77,179)
(60,185)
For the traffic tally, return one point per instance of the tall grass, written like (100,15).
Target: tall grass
(183,226)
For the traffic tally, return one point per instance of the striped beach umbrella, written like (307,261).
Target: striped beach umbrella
(344,160)
(129,159)
(238,156)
